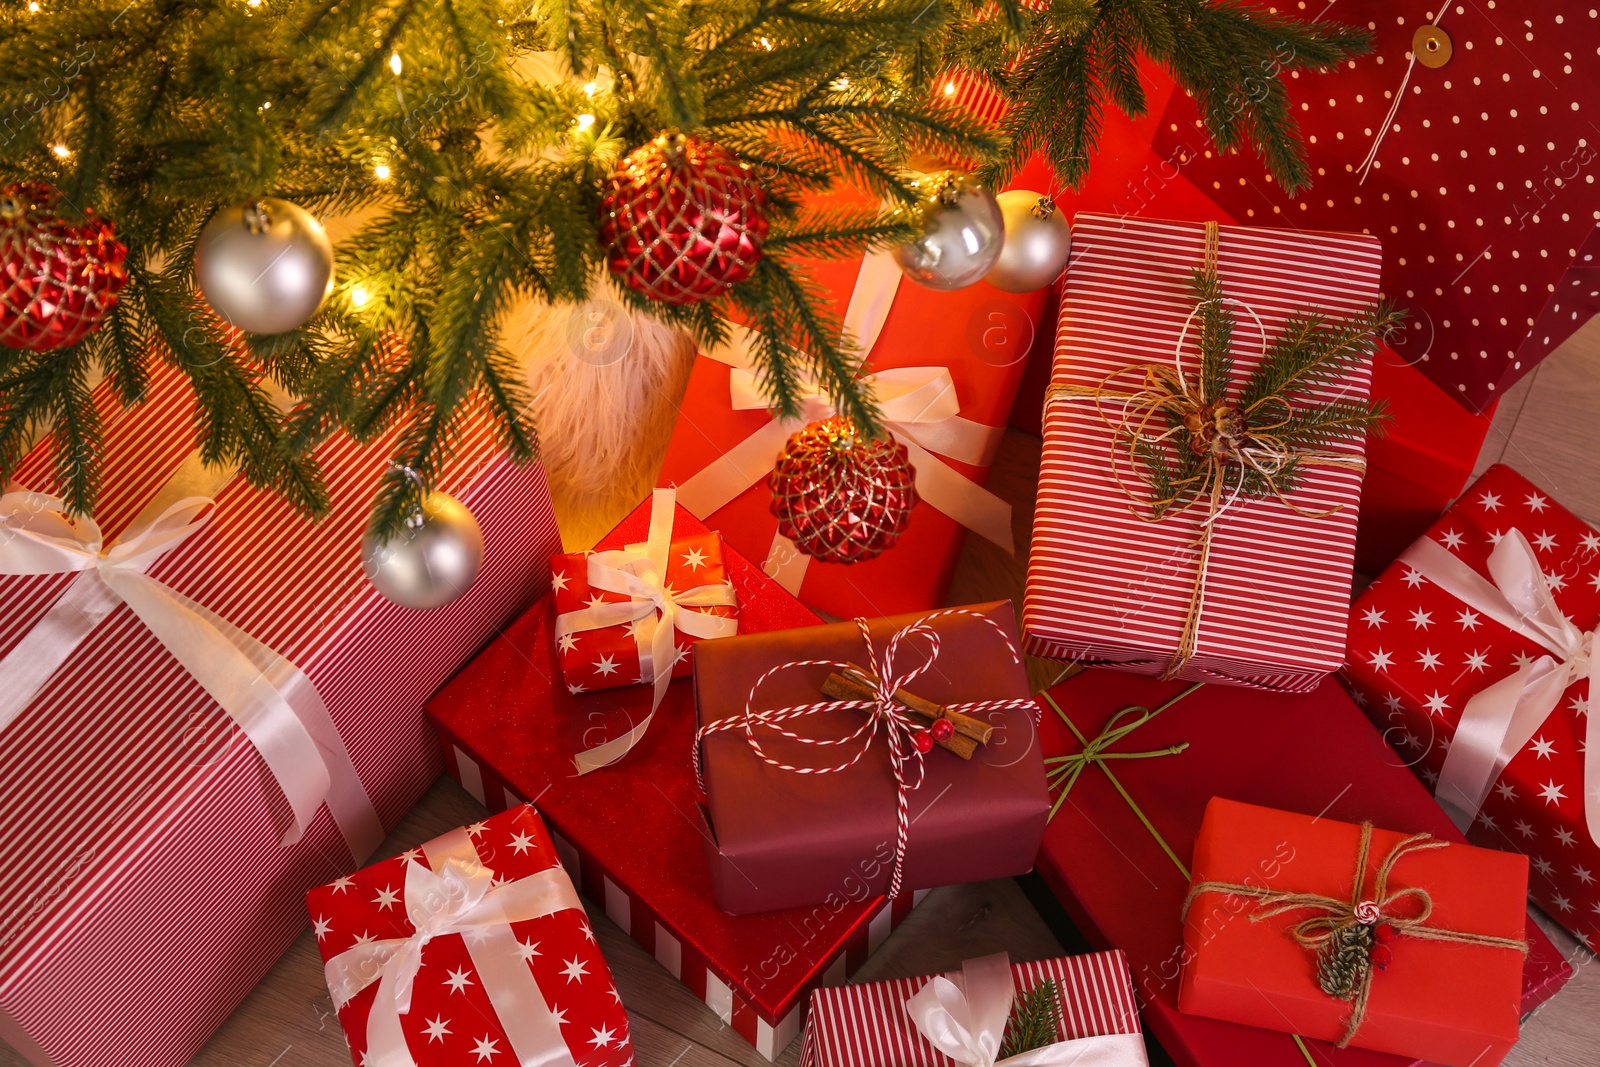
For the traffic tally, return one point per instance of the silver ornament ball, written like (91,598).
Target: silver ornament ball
(1038,242)
(265,266)
(962,237)
(432,560)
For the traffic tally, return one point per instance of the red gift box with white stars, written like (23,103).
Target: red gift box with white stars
(486,993)
(1486,696)
(1482,187)
(610,656)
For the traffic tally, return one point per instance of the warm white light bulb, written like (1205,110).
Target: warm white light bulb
(33,5)
(950,88)
(394,62)
(766,44)
(358,296)
(589,88)
(585,121)
(381,172)
(61,151)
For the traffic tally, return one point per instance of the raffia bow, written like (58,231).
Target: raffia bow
(884,714)
(1341,932)
(1204,444)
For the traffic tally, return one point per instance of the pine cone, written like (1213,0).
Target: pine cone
(1344,959)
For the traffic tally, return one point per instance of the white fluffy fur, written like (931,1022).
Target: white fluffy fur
(604,409)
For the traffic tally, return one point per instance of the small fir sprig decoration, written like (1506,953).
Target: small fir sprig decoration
(1035,1020)
(1206,440)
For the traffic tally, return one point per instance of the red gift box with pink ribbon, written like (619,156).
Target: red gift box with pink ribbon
(199,671)
(943,367)
(1475,653)
(468,949)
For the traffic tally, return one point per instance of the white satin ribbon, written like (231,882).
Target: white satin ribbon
(919,408)
(966,1022)
(655,612)
(1500,719)
(268,697)
(455,894)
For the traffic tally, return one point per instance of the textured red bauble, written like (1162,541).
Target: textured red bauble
(682,219)
(58,278)
(840,497)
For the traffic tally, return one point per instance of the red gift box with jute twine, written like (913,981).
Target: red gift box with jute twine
(1134,762)
(1371,938)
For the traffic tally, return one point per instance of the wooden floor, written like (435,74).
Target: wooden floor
(1549,428)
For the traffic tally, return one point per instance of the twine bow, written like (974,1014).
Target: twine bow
(1503,717)
(1341,933)
(456,894)
(884,714)
(654,610)
(1243,450)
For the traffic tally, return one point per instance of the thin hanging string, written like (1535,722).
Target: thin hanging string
(1388,120)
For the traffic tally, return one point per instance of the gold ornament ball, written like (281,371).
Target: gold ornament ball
(264,266)
(1038,242)
(432,560)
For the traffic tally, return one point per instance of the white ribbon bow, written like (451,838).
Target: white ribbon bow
(966,1022)
(1499,720)
(919,408)
(458,896)
(655,612)
(270,699)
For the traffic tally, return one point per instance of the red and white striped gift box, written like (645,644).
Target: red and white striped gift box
(769,1032)
(149,890)
(868,1026)
(1106,585)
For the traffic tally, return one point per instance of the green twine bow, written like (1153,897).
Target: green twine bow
(1063,772)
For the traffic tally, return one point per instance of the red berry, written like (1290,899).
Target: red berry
(1385,933)
(943,729)
(923,740)
(1381,957)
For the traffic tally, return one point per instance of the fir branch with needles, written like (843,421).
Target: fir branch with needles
(1035,1020)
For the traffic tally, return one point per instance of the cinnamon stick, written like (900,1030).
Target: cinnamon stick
(969,733)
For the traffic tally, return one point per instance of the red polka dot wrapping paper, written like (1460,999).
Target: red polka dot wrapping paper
(1417,654)
(1484,188)
(452,1021)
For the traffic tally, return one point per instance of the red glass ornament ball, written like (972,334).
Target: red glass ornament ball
(840,497)
(59,277)
(682,219)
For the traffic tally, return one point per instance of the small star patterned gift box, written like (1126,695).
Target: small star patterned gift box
(629,615)
(1475,654)
(472,949)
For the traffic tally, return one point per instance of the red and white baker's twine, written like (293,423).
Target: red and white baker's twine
(900,728)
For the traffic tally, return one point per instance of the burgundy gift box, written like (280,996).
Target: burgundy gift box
(777,837)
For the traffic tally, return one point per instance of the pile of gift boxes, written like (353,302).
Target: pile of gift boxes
(1273,862)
